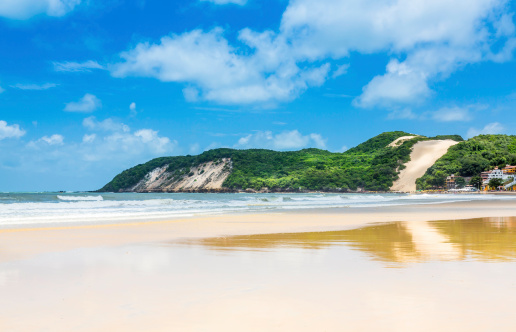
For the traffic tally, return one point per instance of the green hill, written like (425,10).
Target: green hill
(469,158)
(372,165)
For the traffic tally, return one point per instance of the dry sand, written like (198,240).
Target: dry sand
(424,155)
(401,139)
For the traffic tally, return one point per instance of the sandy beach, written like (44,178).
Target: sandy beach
(22,242)
(185,275)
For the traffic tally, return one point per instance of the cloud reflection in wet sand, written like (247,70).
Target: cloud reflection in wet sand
(482,239)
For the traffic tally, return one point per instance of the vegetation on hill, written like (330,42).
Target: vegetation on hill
(470,158)
(372,165)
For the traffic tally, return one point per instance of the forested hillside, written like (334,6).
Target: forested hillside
(470,158)
(372,165)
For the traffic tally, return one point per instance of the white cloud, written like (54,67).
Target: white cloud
(283,141)
(449,114)
(87,163)
(70,66)
(225,2)
(336,27)
(89,138)
(132,109)
(144,143)
(44,86)
(120,138)
(1,89)
(46,141)
(10,131)
(218,72)
(399,85)
(25,9)
(491,128)
(341,70)
(86,104)
(428,41)
(108,124)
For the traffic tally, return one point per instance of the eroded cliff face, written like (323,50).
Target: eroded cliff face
(208,176)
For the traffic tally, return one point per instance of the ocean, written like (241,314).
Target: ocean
(51,208)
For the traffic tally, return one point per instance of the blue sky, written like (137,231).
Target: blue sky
(89,88)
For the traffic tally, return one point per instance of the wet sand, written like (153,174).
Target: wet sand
(388,269)
(24,242)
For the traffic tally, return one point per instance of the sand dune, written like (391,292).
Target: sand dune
(424,154)
(398,141)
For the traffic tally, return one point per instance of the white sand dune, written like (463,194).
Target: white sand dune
(424,154)
(398,141)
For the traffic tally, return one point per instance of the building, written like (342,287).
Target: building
(509,169)
(450,182)
(505,174)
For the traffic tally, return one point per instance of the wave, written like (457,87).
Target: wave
(80,198)
(65,208)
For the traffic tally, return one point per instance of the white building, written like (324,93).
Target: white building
(496,174)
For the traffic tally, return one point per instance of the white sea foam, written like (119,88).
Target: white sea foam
(80,198)
(48,208)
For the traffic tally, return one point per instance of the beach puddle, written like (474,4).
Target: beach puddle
(483,239)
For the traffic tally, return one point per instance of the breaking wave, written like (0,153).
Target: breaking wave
(57,208)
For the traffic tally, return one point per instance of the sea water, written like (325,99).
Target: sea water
(31,209)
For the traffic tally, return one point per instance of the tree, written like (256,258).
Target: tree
(476,181)
(460,182)
(495,183)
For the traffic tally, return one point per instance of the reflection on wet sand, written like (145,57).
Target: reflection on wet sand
(485,239)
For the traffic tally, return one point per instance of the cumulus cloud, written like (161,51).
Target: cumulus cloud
(46,141)
(89,138)
(108,124)
(10,131)
(118,144)
(283,141)
(70,66)
(400,85)
(86,104)
(25,9)
(450,114)
(132,109)
(55,139)
(491,128)
(72,164)
(225,2)
(434,39)
(44,86)
(125,144)
(219,72)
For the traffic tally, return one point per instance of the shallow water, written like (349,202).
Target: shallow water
(447,276)
(484,239)
(31,209)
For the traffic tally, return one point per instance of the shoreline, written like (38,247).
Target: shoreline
(19,243)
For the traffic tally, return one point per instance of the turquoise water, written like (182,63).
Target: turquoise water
(58,208)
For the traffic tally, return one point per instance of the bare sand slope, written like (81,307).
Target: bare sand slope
(424,154)
(400,140)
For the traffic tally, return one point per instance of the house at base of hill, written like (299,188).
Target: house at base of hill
(505,174)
